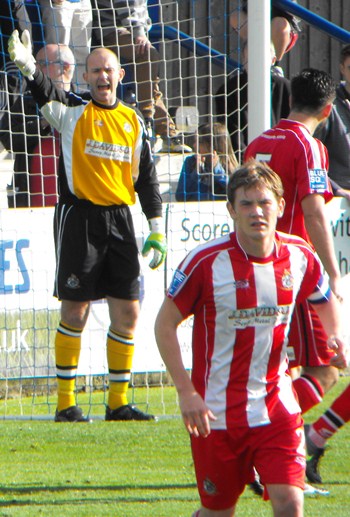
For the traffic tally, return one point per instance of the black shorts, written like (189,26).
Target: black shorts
(96,253)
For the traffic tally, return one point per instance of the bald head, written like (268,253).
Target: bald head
(101,52)
(57,62)
(103,74)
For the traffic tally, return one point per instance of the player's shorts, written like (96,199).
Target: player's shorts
(96,253)
(224,460)
(307,340)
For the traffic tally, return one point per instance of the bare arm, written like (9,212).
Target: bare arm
(330,315)
(342,192)
(194,411)
(319,230)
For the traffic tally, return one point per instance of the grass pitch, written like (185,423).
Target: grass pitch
(135,469)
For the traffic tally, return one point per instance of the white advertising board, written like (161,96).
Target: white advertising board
(27,266)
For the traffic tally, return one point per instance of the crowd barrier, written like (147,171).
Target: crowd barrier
(27,267)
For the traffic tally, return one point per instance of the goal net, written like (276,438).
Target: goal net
(200,58)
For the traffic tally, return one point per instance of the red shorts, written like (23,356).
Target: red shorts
(292,42)
(224,460)
(307,341)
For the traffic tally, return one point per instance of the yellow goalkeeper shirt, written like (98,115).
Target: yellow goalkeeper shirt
(101,150)
(105,156)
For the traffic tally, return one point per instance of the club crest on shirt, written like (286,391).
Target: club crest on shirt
(287,280)
(241,284)
(98,122)
(127,127)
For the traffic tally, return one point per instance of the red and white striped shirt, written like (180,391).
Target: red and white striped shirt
(301,161)
(242,308)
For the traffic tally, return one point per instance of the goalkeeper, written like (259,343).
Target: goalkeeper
(105,161)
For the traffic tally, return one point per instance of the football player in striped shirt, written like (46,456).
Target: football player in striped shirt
(239,405)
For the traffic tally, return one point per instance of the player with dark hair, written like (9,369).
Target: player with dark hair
(335,131)
(239,406)
(301,161)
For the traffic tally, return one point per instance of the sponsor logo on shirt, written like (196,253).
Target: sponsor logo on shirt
(109,151)
(318,180)
(259,316)
(178,279)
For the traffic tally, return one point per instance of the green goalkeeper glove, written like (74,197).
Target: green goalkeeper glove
(21,53)
(156,241)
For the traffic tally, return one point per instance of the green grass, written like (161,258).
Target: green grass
(131,469)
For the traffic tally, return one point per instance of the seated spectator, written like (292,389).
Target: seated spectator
(69,22)
(204,176)
(231,102)
(123,27)
(284,29)
(29,136)
(335,131)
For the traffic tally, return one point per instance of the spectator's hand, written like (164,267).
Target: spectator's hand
(142,44)
(21,53)
(156,241)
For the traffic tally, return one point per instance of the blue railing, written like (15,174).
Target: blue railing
(200,49)
(158,32)
(314,19)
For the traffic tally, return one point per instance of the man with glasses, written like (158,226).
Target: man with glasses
(30,137)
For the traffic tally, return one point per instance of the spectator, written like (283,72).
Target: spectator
(239,405)
(284,29)
(105,161)
(123,27)
(69,22)
(204,175)
(36,25)
(335,131)
(232,101)
(318,433)
(301,161)
(31,138)
(12,84)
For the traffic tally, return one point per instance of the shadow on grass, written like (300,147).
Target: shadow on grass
(20,491)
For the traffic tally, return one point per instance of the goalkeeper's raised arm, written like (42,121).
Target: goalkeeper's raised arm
(105,161)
